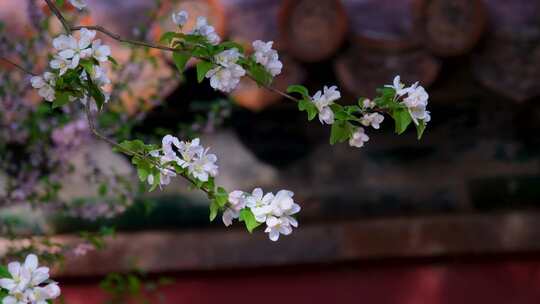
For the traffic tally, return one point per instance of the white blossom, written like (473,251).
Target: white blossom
(79,4)
(398,86)
(165,174)
(193,156)
(237,201)
(416,102)
(77,50)
(283,205)
(276,226)
(358,138)
(323,100)
(267,57)
(189,150)
(99,76)
(64,42)
(226,75)
(18,298)
(260,204)
(180,18)
(20,278)
(45,84)
(100,52)
(368,104)
(203,166)
(59,63)
(40,295)
(24,286)
(274,210)
(372,119)
(202,28)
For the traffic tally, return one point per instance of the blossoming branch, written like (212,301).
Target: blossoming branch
(78,73)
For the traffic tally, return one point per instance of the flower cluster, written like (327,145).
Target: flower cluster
(267,57)
(323,100)
(27,283)
(227,64)
(204,29)
(83,57)
(404,104)
(188,155)
(274,210)
(45,85)
(415,98)
(226,75)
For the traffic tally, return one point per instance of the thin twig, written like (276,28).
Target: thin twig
(59,15)
(17,66)
(166,48)
(119,38)
(95,131)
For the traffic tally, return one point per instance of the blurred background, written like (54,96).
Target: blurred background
(449,219)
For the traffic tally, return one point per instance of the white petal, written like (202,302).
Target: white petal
(31,262)
(273,235)
(40,275)
(67,54)
(37,82)
(8,284)
(14,269)
(79,4)
(10,300)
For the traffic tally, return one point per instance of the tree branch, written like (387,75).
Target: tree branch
(68,28)
(95,131)
(17,66)
(54,9)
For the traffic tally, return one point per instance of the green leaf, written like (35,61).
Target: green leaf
(142,173)
(180,60)
(232,45)
(199,51)
(4,273)
(402,119)
(62,98)
(260,74)
(88,66)
(386,100)
(214,208)
(59,3)
(249,219)
(341,131)
(202,68)
(96,93)
(221,197)
(102,190)
(309,107)
(134,284)
(210,184)
(3,293)
(112,60)
(420,128)
(302,90)
(196,39)
(136,146)
(167,37)
(344,114)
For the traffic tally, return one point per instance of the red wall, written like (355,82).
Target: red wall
(497,282)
